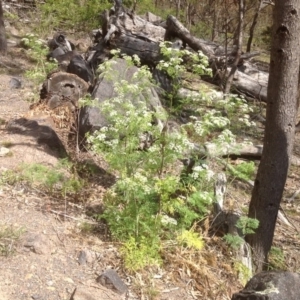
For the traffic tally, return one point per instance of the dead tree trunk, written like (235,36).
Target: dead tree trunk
(134,35)
(280,126)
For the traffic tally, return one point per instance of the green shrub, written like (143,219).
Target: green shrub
(9,235)
(38,51)
(244,170)
(276,259)
(150,205)
(76,15)
(146,205)
(247,226)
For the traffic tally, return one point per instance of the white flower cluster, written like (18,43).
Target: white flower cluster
(135,183)
(245,119)
(210,121)
(202,172)
(226,137)
(206,197)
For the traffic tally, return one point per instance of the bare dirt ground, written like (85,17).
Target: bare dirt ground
(45,263)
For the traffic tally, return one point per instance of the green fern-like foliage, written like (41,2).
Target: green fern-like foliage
(234,241)
(245,170)
(149,204)
(139,255)
(247,225)
(190,239)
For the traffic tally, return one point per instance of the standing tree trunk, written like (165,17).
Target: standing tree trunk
(238,44)
(3,42)
(252,27)
(216,12)
(280,126)
(262,5)
(178,5)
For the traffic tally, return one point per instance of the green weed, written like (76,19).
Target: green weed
(245,170)
(276,259)
(247,226)
(49,179)
(244,274)
(146,205)
(139,255)
(149,205)
(38,51)
(9,235)
(60,14)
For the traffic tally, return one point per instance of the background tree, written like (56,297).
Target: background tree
(280,125)
(3,42)
(238,44)
(261,5)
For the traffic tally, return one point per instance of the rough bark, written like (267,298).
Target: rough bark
(280,126)
(147,51)
(62,88)
(3,42)
(177,8)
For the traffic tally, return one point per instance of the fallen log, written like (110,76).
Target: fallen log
(133,35)
(248,79)
(63,89)
(237,150)
(147,51)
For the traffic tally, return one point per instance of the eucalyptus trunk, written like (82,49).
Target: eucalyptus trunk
(281,115)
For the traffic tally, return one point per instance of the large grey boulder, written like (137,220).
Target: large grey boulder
(92,118)
(273,285)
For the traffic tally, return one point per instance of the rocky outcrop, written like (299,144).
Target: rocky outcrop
(274,285)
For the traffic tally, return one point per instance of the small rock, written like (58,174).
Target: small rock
(12,43)
(87,257)
(50,283)
(14,31)
(37,243)
(15,83)
(91,293)
(3,151)
(69,280)
(111,279)
(82,260)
